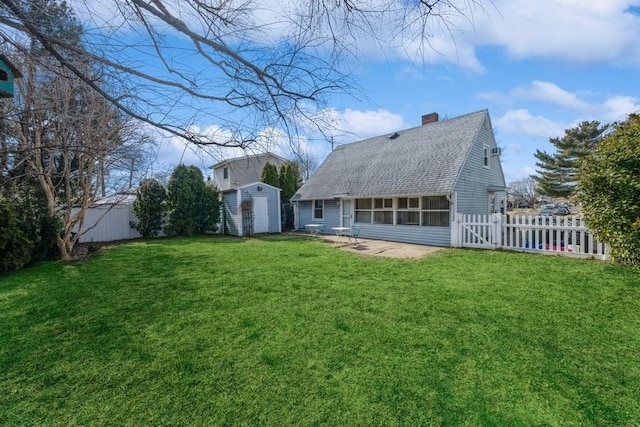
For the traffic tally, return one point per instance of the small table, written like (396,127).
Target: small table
(314,229)
(340,232)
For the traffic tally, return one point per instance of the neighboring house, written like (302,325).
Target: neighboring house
(240,171)
(406,186)
(251,209)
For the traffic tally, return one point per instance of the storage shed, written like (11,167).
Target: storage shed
(110,219)
(251,209)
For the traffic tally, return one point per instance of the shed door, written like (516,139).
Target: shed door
(260,215)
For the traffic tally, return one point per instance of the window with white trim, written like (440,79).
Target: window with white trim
(383,211)
(318,209)
(486,155)
(225,173)
(363,210)
(435,211)
(408,211)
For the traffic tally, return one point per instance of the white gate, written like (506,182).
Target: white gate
(563,235)
(478,231)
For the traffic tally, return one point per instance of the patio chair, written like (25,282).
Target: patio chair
(353,234)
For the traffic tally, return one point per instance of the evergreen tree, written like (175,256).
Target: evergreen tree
(209,211)
(609,190)
(557,172)
(150,208)
(270,175)
(15,247)
(194,207)
(289,180)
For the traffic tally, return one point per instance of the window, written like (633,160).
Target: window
(435,211)
(408,211)
(225,173)
(363,210)
(428,210)
(383,211)
(486,157)
(318,209)
(4,76)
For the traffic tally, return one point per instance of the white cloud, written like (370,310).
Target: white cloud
(553,94)
(618,107)
(365,124)
(574,30)
(521,121)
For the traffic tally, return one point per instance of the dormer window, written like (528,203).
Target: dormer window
(225,173)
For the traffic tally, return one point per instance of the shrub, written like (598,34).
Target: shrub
(609,189)
(194,207)
(15,248)
(150,208)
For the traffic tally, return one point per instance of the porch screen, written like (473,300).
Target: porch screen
(435,211)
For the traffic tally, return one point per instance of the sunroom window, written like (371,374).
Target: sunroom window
(363,210)
(383,211)
(408,211)
(435,211)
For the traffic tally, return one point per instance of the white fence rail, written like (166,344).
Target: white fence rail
(566,235)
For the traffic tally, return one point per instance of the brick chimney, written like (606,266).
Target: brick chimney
(429,118)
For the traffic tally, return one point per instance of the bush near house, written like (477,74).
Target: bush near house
(609,190)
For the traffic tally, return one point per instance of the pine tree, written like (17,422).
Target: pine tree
(289,179)
(194,206)
(150,207)
(557,172)
(270,175)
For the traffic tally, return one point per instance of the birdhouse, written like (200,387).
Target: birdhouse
(7,75)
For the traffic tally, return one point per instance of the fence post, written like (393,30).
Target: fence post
(455,231)
(497,230)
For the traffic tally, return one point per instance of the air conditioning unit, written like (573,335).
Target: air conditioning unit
(496,151)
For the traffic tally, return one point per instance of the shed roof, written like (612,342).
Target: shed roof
(422,160)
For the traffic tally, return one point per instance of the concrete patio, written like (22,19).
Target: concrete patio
(381,248)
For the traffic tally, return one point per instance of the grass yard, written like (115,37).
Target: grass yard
(287,331)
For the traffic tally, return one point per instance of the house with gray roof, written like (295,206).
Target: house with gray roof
(407,186)
(234,173)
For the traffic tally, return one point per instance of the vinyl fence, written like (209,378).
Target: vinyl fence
(565,235)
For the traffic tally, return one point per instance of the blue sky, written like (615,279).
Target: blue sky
(538,67)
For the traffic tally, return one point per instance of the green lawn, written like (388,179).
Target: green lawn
(287,331)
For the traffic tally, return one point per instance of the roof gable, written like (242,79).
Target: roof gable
(422,160)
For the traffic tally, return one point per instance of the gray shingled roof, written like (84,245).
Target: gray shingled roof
(421,160)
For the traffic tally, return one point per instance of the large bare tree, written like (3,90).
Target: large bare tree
(243,65)
(524,192)
(69,139)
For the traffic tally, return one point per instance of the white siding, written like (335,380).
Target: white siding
(108,223)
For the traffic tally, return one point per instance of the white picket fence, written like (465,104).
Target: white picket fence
(566,235)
